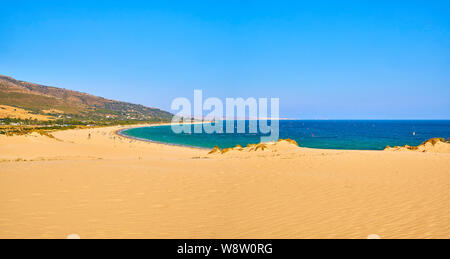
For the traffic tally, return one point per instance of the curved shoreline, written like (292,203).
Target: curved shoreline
(119,133)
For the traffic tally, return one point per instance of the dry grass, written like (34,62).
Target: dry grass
(46,134)
(249,148)
(261,147)
(215,150)
(53,111)
(226,150)
(17,113)
(290,141)
(23,131)
(239,148)
(434,141)
(411,148)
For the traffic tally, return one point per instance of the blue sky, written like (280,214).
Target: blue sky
(323,59)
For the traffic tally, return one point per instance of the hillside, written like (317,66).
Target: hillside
(66,105)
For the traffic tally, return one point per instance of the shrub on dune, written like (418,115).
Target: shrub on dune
(424,147)
(291,141)
(215,150)
(239,148)
(434,141)
(226,150)
(261,147)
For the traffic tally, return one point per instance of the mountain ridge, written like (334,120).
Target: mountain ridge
(69,104)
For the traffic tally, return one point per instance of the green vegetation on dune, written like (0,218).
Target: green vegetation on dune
(11,127)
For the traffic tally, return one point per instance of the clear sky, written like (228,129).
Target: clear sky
(323,59)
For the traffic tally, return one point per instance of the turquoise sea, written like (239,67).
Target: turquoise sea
(355,135)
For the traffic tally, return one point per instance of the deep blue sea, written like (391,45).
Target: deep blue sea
(355,135)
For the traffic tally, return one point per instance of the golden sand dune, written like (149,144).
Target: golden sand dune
(436,145)
(283,145)
(108,186)
(17,113)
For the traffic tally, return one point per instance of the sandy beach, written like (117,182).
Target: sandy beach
(107,186)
